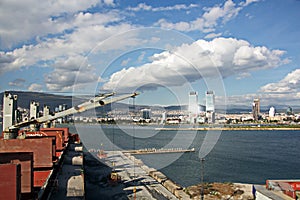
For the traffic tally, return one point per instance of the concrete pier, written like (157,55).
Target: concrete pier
(158,151)
(135,178)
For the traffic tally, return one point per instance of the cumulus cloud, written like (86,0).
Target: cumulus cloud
(145,7)
(35,87)
(289,84)
(284,92)
(36,18)
(208,21)
(212,35)
(125,62)
(70,73)
(266,99)
(89,29)
(141,57)
(56,33)
(190,62)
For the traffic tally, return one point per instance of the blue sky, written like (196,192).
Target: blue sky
(164,49)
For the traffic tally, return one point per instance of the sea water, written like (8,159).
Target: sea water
(238,156)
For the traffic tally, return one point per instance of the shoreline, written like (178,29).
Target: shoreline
(226,190)
(139,180)
(230,129)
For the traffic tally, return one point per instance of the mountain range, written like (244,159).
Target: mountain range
(54,100)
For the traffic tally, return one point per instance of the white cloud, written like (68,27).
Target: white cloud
(145,7)
(35,87)
(50,52)
(248,2)
(243,75)
(190,62)
(210,19)
(79,42)
(141,57)
(284,92)
(125,62)
(289,84)
(212,35)
(266,99)
(109,2)
(69,73)
(40,18)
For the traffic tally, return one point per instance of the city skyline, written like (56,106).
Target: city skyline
(162,49)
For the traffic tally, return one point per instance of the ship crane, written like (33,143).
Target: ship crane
(10,132)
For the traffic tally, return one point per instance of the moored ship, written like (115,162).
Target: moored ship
(33,160)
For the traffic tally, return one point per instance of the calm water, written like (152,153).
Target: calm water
(238,156)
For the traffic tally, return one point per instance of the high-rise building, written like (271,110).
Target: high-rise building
(34,110)
(255,109)
(193,107)
(9,110)
(210,106)
(272,112)
(289,111)
(210,101)
(146,114)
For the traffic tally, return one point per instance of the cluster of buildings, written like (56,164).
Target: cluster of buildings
(198,113)
(193,113)
(11,114)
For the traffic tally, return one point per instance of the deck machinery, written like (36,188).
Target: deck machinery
(31,156)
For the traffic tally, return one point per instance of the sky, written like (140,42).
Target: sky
(241,50)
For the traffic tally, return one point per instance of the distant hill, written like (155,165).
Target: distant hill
(53,100)
(24,99)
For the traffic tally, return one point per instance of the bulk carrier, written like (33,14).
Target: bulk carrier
(35,156)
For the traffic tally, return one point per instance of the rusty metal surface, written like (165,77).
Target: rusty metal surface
(25,159)
(59,137)
(40,177)
(58,134)
(42,149)
(10,184)
(65,131)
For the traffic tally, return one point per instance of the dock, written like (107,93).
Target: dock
(135,181)
(158,151)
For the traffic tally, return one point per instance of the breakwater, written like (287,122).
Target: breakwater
(158,151)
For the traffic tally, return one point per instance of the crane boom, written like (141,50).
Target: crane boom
(95,102)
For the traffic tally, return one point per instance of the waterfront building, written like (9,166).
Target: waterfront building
(210,101)
(272,112)
(193,107)
(163,117)
(9,110)
(60,108)
(34,109)
(256,109)
(146,114)
(210,106)
(289,111)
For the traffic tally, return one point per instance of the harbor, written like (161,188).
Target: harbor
(62,162)
(39,160)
